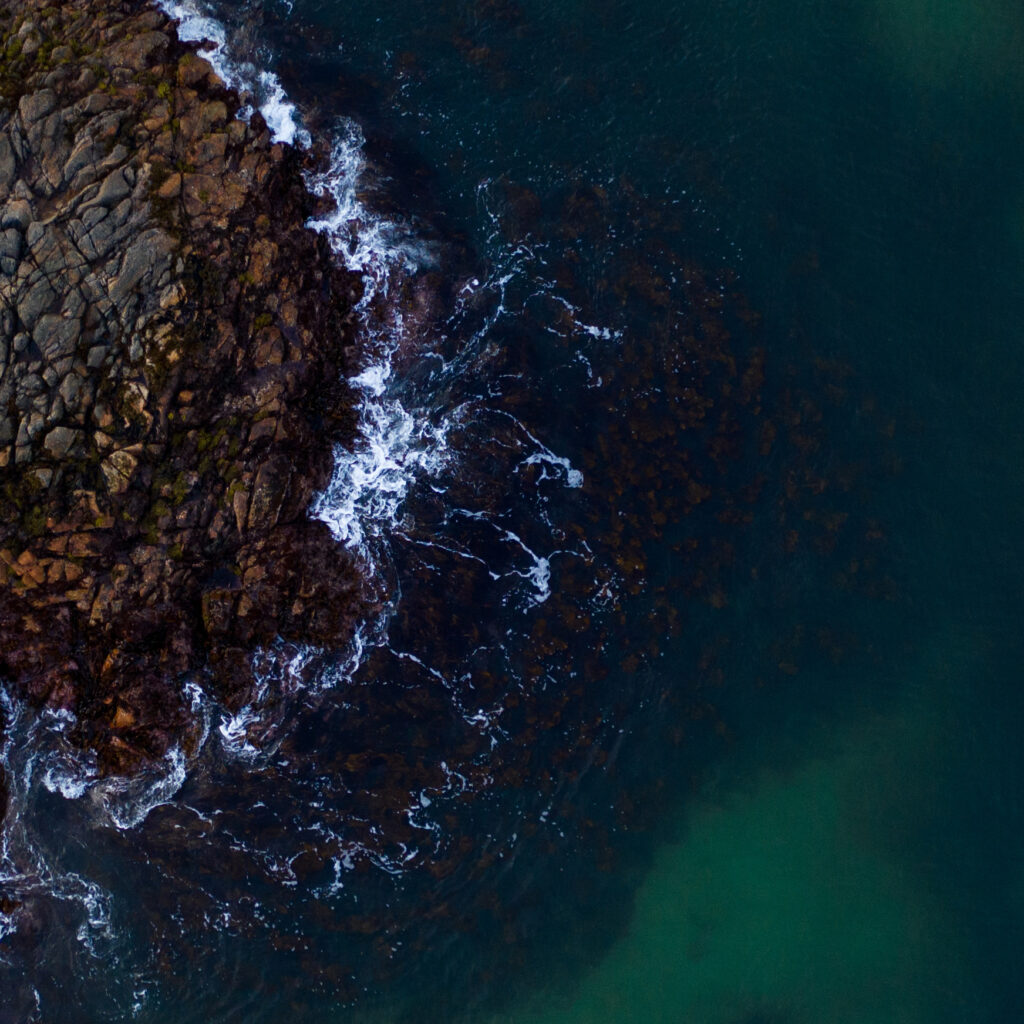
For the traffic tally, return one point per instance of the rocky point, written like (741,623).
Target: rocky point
(173,349)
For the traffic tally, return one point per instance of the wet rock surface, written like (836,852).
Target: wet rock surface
(169,338)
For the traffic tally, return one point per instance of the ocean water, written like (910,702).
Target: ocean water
(662,722)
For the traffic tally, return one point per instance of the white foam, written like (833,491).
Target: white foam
(96,902)
(234,733)
(369,484)
(367,243)
(573,477)
(127,801)
(35,748)
(539,573)
(395,444)
(67,779)
(140,996)
(196,26)
(200,703)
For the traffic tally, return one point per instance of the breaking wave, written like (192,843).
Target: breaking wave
(267,94)
(446,480)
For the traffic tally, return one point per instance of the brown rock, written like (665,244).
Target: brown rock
(177,430)
(123,718)
(171,188)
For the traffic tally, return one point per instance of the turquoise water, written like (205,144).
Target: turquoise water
(830,889)
(859,165)
(822,819)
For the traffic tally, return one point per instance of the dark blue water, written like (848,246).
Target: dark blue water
(698,694)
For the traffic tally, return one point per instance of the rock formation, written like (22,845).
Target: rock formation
(173,347)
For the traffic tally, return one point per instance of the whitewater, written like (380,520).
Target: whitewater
(404,441)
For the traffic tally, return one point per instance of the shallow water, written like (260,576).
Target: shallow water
(551,785)
(824,890)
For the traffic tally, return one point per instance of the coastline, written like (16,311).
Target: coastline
(175,343)
(606,535)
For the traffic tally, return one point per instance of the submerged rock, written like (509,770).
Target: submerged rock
(170,339)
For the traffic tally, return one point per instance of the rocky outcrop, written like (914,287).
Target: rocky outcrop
(172,351)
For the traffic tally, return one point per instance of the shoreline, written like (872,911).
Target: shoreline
(171,331)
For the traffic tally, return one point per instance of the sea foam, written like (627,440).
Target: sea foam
(195,25)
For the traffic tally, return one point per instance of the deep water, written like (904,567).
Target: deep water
(621,750)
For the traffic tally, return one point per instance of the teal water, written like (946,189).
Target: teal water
(860,165)
(834,830)
(830,889)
